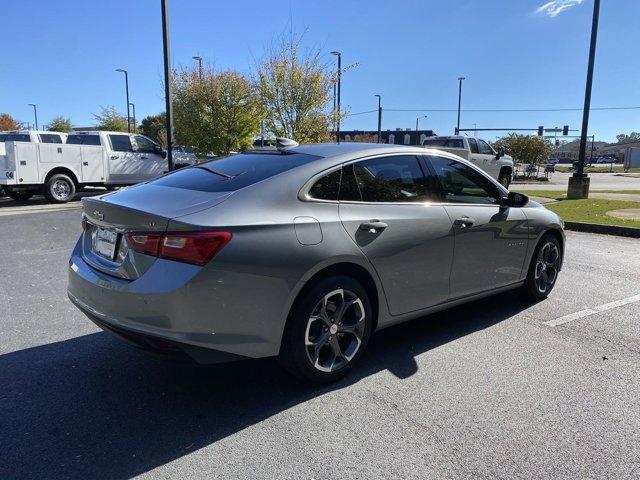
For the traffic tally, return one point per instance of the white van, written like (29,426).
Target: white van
(58,171)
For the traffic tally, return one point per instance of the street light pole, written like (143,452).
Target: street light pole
(339,55)
(126,86)
(199,60)
(133,108)
(379,118)
(579,182)
(417,120)
(35,113)
(460,79)
(166,50)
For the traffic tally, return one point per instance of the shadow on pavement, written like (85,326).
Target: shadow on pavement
(92,407)
(39,200)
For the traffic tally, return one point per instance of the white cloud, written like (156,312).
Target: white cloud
(554,7)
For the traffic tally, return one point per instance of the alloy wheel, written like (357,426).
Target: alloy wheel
(335,330)
(547,266)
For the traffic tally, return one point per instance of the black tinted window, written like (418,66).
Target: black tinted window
(121,143)
(15,137)
(327,187)
(236,171)
(83,140)
(463,184)
(50,138)
(348,186)
(392,179)
(473,145)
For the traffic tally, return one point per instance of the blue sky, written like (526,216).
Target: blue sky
(62,56)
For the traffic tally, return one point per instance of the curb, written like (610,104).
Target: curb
(632,232)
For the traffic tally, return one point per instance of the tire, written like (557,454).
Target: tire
(20,196)
(504,180)
(59,189)
(540,281)
(314,335)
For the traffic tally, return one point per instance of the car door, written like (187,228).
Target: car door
(490,239)
(149,162)
(123,165)
(487,160)
(388,206)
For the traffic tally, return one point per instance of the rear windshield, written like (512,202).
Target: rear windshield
(14,137)
(83,140)
(234,172)
(444,142)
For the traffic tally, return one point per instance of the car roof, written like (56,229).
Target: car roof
(355,149)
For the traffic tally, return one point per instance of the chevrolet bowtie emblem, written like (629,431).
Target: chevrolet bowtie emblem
(98,214)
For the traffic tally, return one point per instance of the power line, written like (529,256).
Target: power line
(496,110)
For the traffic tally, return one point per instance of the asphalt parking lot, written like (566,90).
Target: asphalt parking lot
(494,389)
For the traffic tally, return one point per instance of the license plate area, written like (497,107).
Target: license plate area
(104,242)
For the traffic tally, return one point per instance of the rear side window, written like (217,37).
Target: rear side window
(15,137)
(392,179)
(233,172)
(473,145)
(121,143)
(83,140)
(50,138)
(327,187)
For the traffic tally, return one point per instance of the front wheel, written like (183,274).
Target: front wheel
(505,180)
(328,330)
(59,189)
(544,268)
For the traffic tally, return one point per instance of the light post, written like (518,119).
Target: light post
(339,55)
(133,108)
(35,113)
(460,79)
(579,181)
(379,118)
(199,60)
(126,86)
(166,51)
(418,120)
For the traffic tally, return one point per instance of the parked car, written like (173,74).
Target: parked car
(304,251)
(56,170)
(478,152)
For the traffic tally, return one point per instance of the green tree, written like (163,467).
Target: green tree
(7,122)
(217,112)
(525,148)
(153,126)
(60,124)
(293,90)
(110,119)
(633,136)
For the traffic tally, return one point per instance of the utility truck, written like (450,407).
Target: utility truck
(58,171)
(478,152)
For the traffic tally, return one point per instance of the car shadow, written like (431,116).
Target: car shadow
(93,407)
(37,200)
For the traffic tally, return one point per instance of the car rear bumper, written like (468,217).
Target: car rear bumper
(209,314)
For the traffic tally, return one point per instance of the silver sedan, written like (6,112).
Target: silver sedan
(304,251)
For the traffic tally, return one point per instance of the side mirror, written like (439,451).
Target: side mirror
(500,153)
(159,150)
(514,199)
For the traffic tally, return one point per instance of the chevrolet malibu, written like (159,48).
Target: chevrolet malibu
(304,251)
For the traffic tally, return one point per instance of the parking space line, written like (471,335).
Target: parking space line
(591,311)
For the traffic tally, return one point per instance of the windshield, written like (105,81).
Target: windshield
(231,173)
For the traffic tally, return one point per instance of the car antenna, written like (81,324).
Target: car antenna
(283,143)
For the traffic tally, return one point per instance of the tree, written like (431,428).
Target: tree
(110,119)
(60,124)
(525,148)
(217,112)
(7,122)
(633,136)
(153,126)
(293,90)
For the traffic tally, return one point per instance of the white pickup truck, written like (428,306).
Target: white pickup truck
(58,171)
(478,152)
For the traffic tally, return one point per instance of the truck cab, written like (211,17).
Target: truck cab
(477,151)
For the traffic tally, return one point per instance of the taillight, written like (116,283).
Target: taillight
(190,247)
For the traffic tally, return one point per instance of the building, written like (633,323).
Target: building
(569,152)
(618,149)
(399,136)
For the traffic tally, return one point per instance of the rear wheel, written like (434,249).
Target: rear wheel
(544,268)
(59,189)
(327,331)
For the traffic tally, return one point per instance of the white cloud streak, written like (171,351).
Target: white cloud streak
(555,7)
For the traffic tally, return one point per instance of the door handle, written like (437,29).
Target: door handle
(464,222)
(143,157)
(86,164)
(115,157)
(373,226)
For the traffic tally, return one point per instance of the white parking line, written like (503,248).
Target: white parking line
(590,311)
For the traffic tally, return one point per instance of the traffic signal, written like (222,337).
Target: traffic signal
(565,130)
(540,131)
